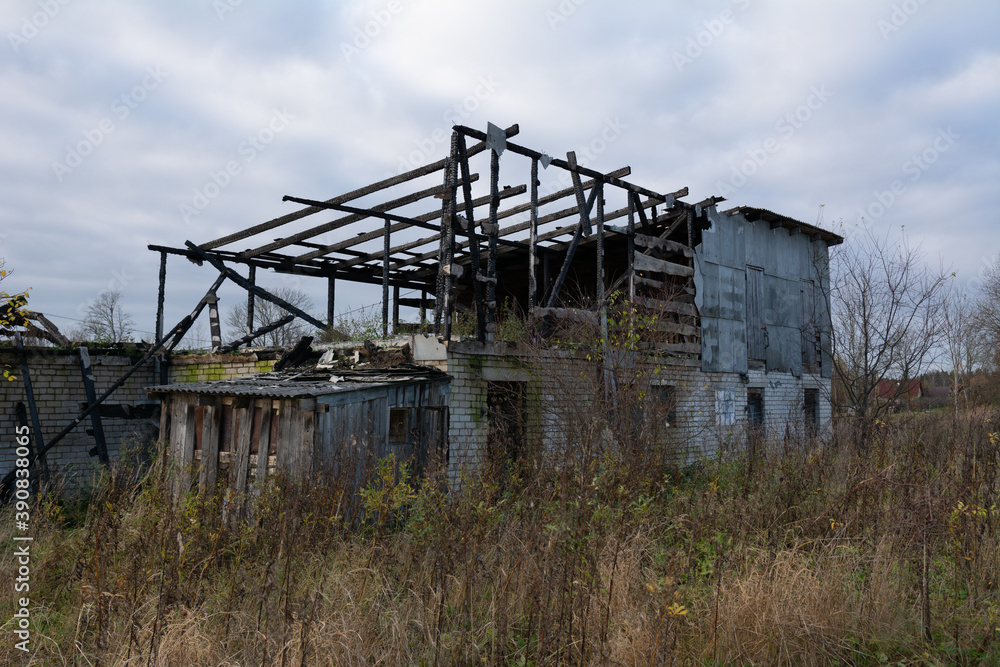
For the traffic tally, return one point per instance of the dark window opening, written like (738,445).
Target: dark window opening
(755,419)
(810,406)
(398,425)
(666,402)
(505,423)
(755,407)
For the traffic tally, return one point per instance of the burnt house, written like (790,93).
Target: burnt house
(737,296)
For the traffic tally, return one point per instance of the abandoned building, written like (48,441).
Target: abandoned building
(733,301)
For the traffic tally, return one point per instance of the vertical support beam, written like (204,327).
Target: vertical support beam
(331,291)
(546,275)
(533,241)
(603,312)
(95,417)
(36,426)
(476,262)
(630,247)
(491,269)
(213,322)
(443,305)
(395,310)
(423,308)
(160,296)
(599,186)
(690,221)
(252,277)
(385,281)
(442,300)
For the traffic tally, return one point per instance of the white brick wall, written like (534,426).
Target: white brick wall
(561,388)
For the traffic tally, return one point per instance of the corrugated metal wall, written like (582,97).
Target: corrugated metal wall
(748,273)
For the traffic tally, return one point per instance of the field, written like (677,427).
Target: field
(879,545)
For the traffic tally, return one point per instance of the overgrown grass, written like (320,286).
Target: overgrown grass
(811,553)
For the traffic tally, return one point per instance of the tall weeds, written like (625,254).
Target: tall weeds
(811,553)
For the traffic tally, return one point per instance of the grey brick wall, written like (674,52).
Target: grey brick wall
(561,387)
(58,388)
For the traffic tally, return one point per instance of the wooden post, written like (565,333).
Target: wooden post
(423,309)
(160,296)
(476,262)
(101,447)
(252,278)
(443,305)
(385,281)
(494,233)
(533,242)
(36,426)
(395,310)
(331,290)
(213,322)
(630,246)
(599,186)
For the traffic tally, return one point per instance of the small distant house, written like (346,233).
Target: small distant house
(895,390)
(302,421)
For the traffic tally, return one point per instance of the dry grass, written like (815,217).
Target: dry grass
(814,555)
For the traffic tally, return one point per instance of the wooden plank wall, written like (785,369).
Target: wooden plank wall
(237,442)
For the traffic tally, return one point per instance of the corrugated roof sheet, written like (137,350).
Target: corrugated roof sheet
(309,382)
(752,213)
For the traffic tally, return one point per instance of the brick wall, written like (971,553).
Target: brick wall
(58,388)
(561,388)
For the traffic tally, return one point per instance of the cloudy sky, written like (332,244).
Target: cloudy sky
(115,116)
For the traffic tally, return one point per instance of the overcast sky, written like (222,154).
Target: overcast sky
(114,117)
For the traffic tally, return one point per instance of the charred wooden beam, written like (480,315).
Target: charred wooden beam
(533,238)
(331,290)
(252,279)
(277,324)
(262,293)
(476,264)
(185,324)
(160,296)
(355,194)
(101,446)
(385,280)
(668,199)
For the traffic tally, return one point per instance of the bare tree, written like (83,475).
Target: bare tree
(106,320)
(887,318)
(962,336)
(265,312)
(987,315)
